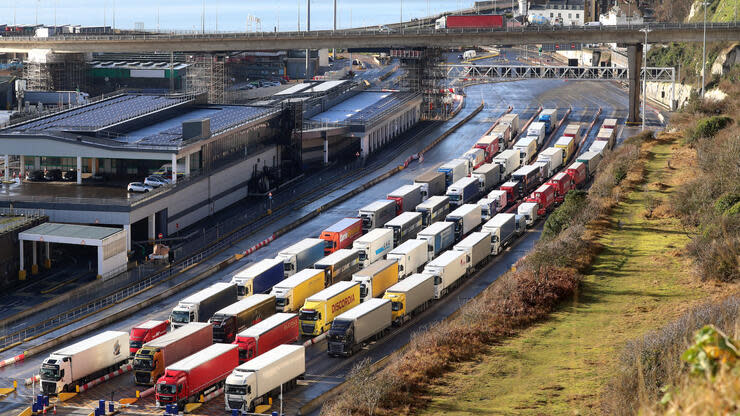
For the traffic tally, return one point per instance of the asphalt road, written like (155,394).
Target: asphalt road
(524,96)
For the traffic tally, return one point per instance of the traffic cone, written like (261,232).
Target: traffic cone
(55,409)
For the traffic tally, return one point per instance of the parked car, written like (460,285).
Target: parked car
(138,187)
(156,181)
(69,175)
(53,175)
(35,175)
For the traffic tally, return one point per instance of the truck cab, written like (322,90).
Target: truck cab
(247,348)
(56,374)
(183,314)
(341,337)
(311,319)
(145,332)
(529,210)
(172,388)
(148,363)
(243,286)
(241,390)
(398,306)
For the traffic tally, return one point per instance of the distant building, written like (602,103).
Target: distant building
(557,12)
(622,14)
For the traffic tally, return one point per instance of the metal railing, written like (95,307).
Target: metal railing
(653,74)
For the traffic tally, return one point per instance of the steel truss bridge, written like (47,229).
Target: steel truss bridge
(465,73)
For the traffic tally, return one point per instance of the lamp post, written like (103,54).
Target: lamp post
(646,30)
(704,52)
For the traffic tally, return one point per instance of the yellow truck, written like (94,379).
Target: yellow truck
(376,278)
(291,293)
(410,296)
(320,309)
(568,144)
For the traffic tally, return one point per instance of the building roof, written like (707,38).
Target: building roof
(85,232)
(294,89)
(137,65)
(362,107)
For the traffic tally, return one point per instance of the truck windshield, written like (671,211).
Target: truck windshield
(166,388)
(329,244)
(287,267)
(338,330)
(233,389)
(363,293)
(363,255)
(241,290)
(309,316)
(50,372)
(135,344)
(180,317)
(367,222)
(280,302)
(396,306)
(454,197)
(143,364)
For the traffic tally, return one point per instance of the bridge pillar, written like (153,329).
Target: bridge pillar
(634,64)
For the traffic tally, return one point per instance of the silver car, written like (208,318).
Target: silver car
(156,181)
(138,187)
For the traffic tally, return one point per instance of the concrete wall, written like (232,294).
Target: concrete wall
(661,92)
(381,134)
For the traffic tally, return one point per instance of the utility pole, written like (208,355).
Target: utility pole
(334,50)
(646,30)
(400,22)
(308,29)
(114,15)
(299,15)
(704,52)
(203,18)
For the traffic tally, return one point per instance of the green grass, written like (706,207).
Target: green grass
(560,366)
(725,11)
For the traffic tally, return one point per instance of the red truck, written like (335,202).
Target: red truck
(577,171)
(545,197)
(512,190)
(200,373)
(341,235)
(470,21)
(145,332)
(562,182)
(281,328)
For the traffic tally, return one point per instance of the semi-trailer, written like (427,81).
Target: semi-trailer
(466,219)
(341,234)
(573,130)
(562,182)
(301,255)
(502,228)
(154,356)
(549,116)
(257,381)
(527,147)
(529,177)
(410,296)
(432,183)
(475,158)
(293,291)
(407,198)
(83,361)
(509,160)
(591,160)
(448,269)
(481,21)
(320,309)
(145,332)
(259,277)
(374,245)
(240,315)
(339,266)
(463,191)
(598,146)
(454,170)
(512,120)
(439,237)
(200,306)
(499,196)
(376,278)
(490,144)
(504,132)
(553,155)
(544,196)
(488,175)
(411,257)
(404,227)
(529,211)
(477,247)
(568,144)
(376,214)
(544,167)
(512,189)
(608,135)
(433,209)
(609,123)
(198,374)
(537,129)
(281,328)
(352,329)
(579,172)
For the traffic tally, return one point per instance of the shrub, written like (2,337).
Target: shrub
(725,202)
(574,203)
(707,128)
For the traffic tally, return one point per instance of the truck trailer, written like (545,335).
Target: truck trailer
(293,291)
(591,160)
(568,144)
(573,130)
(198,374)
(145,332)
(376,278)
(598,146)
(433,209)
(454,170)
(240,315)
(549,116)
(404,227)
(488,175)
(544,196)
(320,309)
(339,266)
(501,201)
(154,356)
(579,173)
(481,21)
(475,158)
(350,330)
(512,120)
(466,219)
(200,306)
(448,269)
(341,234)
(477,247)
(411,257)
(374,245)
(527,147)
(529,177)
(376,214)
(490,144)
(257,381)
(301,255)
(439,237)
(83,361)
(537,129)
(463,191)
(502,228)
(562,182)
(407,198)
(410,296)
(432,183)
(509,160)
(281,328)
(259,277)
(504,132)
(529,211)
(553,155)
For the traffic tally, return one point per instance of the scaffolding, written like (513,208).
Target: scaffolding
(64,74)
(424,75)
(207,74)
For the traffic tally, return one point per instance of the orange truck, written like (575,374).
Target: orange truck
(341,235)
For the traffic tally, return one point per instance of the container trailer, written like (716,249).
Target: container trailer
(433,209)
(529,211)
(145,332)
(361,324)
(293,291)
(537,129)
(376,214)
(448,269)
(477,247)
(339,266)
(466,219)
(257,381)
(568,144)
(281,328)
(376,278)
(591,160)
(410,296)
(407,198)
(529,177)
(475,157)
(527,147)
(544,196)
(502,228)
(504,132)
(83,361)
(341,235)
(544,167)
(549,116)
(512,120)
(490,144)
(578,172)
(200,306)
(488,175)
(481,21)
(230,320)
(598,146)
(562,182)
(432,183)
(154,356)
(439,237)
(259,277)
(608,135)
(301,255)
(463,191)
(509,160)
(411,257)
(321,308)
(573,130)
(500,197)
(374,245)
(454,170)
(405,227)
(553,155)
(609,123)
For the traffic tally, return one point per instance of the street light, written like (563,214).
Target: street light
(646,30)
(704,51)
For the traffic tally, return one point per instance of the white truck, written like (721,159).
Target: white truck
(529,210)
(376,214)
(469,54)
(598,146)
(502,228)
(433,209)
(537,129)
(301,255)
(509,160)
(477,247)
(488,175)
(374,245)
(466,219)
(439,237)
(527,147)
(553,155)
(454,170)
(501,198)
(200,306)
(411,257)
(405,227)
(463,191)
(253,382)
(81,362)
(448,269)
(512,120)
(475,157)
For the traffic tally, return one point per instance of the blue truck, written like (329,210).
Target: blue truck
(463,191)
(550,118)
(439,237)
(258,278)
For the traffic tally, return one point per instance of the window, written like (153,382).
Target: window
(552,14)
(569,16)
(578,15)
